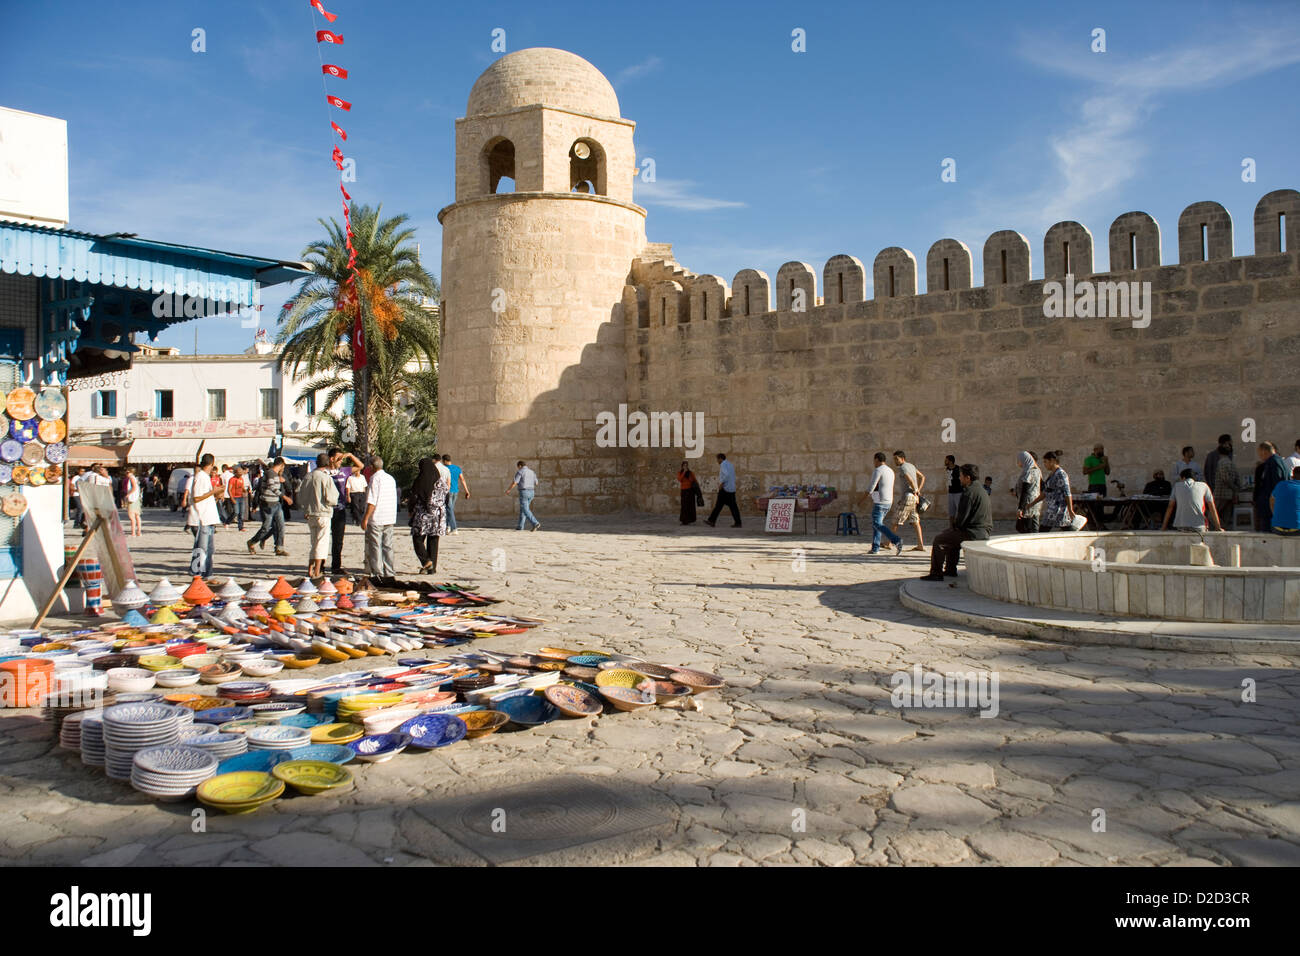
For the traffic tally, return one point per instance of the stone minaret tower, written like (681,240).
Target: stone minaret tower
(532,280)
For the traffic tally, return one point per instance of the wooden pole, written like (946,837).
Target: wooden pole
(67,571)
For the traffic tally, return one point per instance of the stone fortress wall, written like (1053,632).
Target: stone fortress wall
(809,396)
(556,310)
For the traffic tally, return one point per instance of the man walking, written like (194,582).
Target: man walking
(457,481)
(909,510)
(272,497)
(526,482)
(319,495)
(340,473)
(726,493)
(974,521)
(202,514)
(237,495)
(380,519)
(882,499)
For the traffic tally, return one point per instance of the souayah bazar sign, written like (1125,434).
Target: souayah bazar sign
(173,428)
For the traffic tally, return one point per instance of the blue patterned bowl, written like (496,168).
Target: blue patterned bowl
(220,715)
(334,753)
(377,748)
(303,720)
(587,660)
(433,730)
(530,711)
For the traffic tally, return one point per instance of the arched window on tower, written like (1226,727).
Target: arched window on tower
(499,161)
(587,168)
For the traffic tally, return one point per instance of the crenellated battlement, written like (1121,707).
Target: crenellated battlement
(668,294)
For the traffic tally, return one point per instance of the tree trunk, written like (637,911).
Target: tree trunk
(361,409)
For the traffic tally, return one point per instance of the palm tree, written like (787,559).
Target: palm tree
(401,335)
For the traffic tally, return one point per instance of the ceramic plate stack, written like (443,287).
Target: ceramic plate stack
(129,728)
(245,691)
(171,773)
(92,740)
(190,734)
(222,715)
(130,680)
(222,746)
(70,733)
(276,737)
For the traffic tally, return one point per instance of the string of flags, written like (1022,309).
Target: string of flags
(349,295)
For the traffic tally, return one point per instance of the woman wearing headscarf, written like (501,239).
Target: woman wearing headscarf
(1059,513)
(428,502)
(690,488)
(1028,487)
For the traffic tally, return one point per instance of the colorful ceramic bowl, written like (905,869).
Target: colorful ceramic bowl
(313,776)
(336,733)
(379,748)
(428,731)
(665,691)
(573,701)
(239,792)
(587,660)
(619,677)
(334,753)
(159,662)
(627,698)
(480,723)
(698,681)
(255,761)
(528,711)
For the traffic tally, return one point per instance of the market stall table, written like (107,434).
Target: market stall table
(805,506)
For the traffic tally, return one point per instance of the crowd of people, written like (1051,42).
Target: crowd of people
(337,488)
(1199,499)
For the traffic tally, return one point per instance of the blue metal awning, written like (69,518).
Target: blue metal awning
(127,262)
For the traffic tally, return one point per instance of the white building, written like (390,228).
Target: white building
(161,409)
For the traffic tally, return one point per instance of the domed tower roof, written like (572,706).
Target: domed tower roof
(545,76)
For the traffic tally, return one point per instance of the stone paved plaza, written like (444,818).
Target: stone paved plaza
(803,759)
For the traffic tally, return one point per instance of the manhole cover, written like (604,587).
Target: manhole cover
(546,816)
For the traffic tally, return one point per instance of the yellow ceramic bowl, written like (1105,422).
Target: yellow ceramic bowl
(312,776)
(239,792)
(159,662)
(336,733)
(619,677)
(328,652)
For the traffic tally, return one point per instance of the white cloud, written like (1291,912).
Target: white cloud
(637,70)
(679,194)
(1101,146)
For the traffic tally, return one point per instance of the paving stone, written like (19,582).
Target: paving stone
(976,775)
(929,847)
(934,804)
(1012,849)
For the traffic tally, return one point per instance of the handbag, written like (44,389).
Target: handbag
(923,504)
(699,493)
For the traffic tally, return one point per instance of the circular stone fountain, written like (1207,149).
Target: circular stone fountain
(1171,576)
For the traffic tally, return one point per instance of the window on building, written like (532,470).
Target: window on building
(310,405)
(216,404)
(587,167)
(103,404)
(162,403)
(499,159)
(271,403)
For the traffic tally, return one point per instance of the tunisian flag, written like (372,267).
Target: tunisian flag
(325,36)
(320,7)
(340,130)
(333,70)
(341,104)
(358,344)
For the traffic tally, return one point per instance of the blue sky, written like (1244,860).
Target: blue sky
(763,155)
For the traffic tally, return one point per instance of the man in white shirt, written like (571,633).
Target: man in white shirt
(380,519)
(202,515)
(526,481)
(726,493)
(881,491)
(1193,500)
(1292,461)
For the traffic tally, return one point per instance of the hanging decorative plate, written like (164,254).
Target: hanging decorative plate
(23,431)
(21,474)
(11,450)
(57,453)
(52,430)
(21,403)
(13,505)
(50,404)
(6,472)
(33,453)
(54,473)
(37,477)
